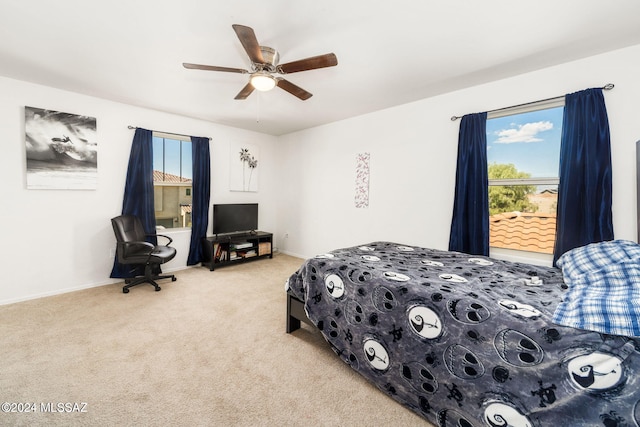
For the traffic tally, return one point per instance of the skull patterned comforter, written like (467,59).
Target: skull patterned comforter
(468,341)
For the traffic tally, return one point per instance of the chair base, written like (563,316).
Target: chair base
(147,278)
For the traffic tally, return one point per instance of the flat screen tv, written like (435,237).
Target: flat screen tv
(235,217)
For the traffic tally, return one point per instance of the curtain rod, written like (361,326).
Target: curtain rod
(608,86)
(168,133)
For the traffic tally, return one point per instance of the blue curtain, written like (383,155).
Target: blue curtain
(138,194)
(200,198)
(470,223)
(584,194)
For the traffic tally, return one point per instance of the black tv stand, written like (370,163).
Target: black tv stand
(234,248)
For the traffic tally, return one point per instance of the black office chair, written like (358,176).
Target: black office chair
(132,248)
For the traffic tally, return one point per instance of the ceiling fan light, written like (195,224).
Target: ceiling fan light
(263,81)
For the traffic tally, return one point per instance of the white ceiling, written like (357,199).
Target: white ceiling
(389,52)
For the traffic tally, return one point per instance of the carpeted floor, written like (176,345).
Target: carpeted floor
(209,349)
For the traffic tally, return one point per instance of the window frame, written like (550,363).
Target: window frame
(520,255)
(173,137)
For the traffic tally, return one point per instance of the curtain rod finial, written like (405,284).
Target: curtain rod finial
(454,118)
(608,86)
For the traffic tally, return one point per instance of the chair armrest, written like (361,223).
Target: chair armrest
(162,235)
(129,246)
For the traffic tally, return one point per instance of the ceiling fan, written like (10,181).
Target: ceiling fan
(264,64)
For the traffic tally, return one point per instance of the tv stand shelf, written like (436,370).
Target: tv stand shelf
(227,249)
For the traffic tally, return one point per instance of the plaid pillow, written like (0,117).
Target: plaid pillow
(606,300)
(596,256)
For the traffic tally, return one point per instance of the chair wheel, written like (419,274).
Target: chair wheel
(173,279)
(125,290)
(158,288)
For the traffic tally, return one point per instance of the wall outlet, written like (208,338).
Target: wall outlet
(112,253)
(286,235)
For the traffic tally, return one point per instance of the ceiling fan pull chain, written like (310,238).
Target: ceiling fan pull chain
(258,107)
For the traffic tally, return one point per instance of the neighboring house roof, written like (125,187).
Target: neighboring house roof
(534,232)
(159,176)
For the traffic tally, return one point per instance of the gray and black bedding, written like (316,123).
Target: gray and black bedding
(472,341)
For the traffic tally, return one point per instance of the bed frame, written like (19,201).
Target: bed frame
(295,314)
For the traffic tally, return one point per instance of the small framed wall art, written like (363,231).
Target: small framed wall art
(362,180)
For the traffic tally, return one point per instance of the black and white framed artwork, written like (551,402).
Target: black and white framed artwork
(243,168)
(61,149)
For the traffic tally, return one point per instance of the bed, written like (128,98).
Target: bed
(472,341)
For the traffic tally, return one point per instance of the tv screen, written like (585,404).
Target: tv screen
(231,218)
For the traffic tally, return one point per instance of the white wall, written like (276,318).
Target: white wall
(57,240)
(413,156)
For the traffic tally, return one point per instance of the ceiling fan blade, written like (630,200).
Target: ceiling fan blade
(213,68)
(245,92)
(249,42)
(320,61)
(293,89)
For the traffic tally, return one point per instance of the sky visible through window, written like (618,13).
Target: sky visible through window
(530,141)
(172,156)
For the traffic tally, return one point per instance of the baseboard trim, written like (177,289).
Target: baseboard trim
(293,254)
(77,288)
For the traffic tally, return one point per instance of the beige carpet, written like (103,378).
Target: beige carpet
(209,349)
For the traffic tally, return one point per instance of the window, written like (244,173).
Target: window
(523,154)
(172,180)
